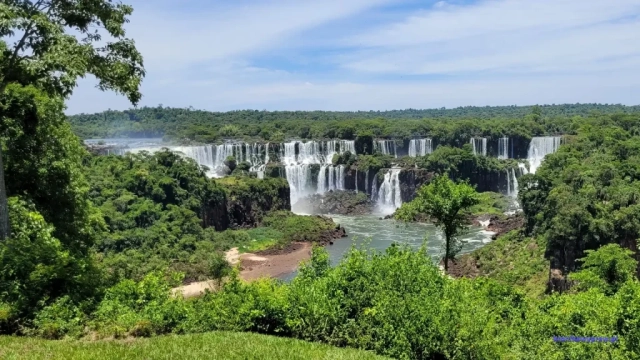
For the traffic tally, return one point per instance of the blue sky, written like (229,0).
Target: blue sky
(379,54)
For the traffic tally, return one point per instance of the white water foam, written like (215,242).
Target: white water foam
(389,195)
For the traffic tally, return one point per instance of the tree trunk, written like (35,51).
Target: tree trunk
(5,230)
(446,253)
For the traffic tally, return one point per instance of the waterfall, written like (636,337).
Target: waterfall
(356,180)
(340,177)
(541,147)
(299,179)
(479,146)
(386,147)
(512,180)
(298,169)
(374,188)
(211,156)
(332,178)
(420,147)
(503,148)
(259,169)
(512,183)
(389,195)
(322,179)
(296,156)
(366,182)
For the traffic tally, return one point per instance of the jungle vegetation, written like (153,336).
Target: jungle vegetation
(94,245)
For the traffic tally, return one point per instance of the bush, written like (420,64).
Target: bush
(231,163)
(298,227)
(140,308)
(606,269)
(60,319)
(35,268)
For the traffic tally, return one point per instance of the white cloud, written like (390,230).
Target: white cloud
(169,39)
(505,36)
(493,52)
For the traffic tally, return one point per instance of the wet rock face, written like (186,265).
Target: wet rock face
(246,203)
(338,202)
(504,225)
(411,180)
(558,281)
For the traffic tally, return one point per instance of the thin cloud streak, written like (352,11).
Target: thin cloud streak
(244,55)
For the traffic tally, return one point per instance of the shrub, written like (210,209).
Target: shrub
(606,268)
(62,318)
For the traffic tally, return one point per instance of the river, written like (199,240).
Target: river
(373,233)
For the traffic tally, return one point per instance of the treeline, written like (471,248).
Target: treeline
(204,126)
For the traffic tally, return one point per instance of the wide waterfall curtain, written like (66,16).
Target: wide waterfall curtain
(4,208)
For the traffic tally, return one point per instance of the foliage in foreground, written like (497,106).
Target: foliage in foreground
(215,345)
(396,303)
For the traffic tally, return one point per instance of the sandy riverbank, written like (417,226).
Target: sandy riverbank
(255,266)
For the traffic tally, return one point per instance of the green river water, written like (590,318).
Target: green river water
(373,233)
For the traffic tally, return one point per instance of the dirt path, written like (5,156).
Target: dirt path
(254,267)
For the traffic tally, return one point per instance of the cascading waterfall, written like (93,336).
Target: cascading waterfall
(389,195)
(322,179)
(420,147)
(386,147)
(513,186)
(366,182)
(374,188)
(512,183)
(541,147)
(330,178)
(479,146)
(340,178)
(356,180)
(211,156)
(298,166)
(503,148)
(260,168)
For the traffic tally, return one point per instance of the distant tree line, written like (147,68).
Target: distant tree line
(204,126)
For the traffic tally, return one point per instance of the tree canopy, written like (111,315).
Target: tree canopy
(444,202)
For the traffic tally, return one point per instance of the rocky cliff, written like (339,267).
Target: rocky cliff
(246,201)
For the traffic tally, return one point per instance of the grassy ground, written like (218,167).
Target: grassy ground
(261,239)
(491,204)
(216,345)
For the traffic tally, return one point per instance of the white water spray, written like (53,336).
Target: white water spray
(541,147)
(389,195)
(420,147)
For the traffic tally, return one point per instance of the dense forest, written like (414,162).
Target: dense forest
(92,247)
(204,126)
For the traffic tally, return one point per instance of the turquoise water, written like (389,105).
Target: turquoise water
(370,231)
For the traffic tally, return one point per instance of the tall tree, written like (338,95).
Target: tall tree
(56,42)
(4,210)
(444,201)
